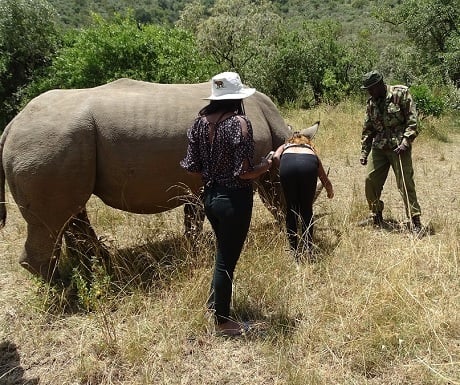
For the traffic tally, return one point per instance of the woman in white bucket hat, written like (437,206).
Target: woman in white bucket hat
(220,151)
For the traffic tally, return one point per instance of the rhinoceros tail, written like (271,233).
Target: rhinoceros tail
(2,198)
(2,179)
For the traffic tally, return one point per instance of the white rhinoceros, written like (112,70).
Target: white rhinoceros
(121,142)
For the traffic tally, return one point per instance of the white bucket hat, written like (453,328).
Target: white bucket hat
(227,85)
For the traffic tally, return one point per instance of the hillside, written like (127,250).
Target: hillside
(353,13)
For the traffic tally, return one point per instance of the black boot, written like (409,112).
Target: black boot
(417,227)
(378,219)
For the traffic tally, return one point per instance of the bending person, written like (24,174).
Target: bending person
(299,168)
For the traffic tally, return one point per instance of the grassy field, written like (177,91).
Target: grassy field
(378,307)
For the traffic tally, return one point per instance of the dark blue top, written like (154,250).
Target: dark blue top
(221,162)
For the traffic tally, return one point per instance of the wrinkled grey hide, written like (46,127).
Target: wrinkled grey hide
(121,142)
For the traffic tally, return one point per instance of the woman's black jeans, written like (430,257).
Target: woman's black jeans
(298,177)
(229,212)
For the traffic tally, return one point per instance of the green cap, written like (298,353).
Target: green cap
(371,78)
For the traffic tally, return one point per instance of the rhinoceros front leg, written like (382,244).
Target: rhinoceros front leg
(83,244)
(271,195)
(194,215)
(193,219)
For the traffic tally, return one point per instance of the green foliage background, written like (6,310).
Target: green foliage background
(28,41)
(299,53)
(108,50)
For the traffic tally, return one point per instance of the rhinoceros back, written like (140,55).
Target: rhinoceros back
(141,137)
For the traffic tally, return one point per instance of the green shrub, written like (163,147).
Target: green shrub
(28,39)
(109,50)
(428,104)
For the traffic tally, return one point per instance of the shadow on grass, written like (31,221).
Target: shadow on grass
(11,371)
(393,226)
(277,325)
(154,263)
(147,267)
(326,238)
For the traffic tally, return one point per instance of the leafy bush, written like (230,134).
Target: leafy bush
(428,104)
(109,50)
(313,57)
(28,39)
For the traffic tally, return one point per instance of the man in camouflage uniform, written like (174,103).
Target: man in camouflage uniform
(390,127)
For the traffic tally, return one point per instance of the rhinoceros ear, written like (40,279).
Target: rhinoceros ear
(310,132)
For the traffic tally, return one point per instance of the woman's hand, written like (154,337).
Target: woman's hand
(258,169)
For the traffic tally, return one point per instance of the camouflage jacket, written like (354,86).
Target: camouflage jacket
(388,120)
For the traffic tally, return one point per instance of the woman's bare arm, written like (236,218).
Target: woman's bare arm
(325,180)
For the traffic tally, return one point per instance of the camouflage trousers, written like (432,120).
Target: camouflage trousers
(379,162)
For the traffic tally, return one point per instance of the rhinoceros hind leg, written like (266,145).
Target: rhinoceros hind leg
(41,253)
(83,244)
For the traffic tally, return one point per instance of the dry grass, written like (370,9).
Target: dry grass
(378,307)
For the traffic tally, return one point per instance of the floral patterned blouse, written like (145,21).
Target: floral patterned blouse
(221,162)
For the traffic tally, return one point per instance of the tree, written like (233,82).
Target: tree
(433,28)
(290,60)
(28,39)
(236,33)
(192,16)
(452,58)
(311,64)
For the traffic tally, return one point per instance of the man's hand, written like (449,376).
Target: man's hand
(363,160)
(403,146)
